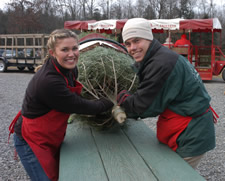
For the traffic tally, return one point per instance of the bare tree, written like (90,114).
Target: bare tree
(186,8)
(140,8)
(103,8)
(149,13)
(23,14)
(49,16)
(129,10)
(83,6)
(116,11)
(3,22)
(108,8)
(70,8)
(203,6)
(34,16)
(171,10)
(159,7)
(212,8)
(91,7)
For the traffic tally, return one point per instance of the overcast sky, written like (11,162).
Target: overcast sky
(2,3)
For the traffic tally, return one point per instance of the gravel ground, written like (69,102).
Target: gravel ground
(12,89)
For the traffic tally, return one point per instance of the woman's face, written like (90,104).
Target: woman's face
(66,52)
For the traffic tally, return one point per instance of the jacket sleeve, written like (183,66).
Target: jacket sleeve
(155,91)
(57,96)
(182,91)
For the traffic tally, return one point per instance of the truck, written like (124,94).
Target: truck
(208,59)
(22,51)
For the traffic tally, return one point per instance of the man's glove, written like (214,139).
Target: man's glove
(107,103)
(122,96)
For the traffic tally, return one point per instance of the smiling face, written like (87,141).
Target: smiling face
(137,48)
(66,52)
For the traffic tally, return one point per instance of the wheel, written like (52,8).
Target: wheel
(223,74)
(2,66)
(30,68)
(21,68)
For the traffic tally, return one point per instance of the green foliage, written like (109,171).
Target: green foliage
(104,72)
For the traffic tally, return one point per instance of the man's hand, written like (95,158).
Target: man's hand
(122,96)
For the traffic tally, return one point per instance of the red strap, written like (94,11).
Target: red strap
(123,99)
(122,92)
(60,72)
(215,115)
(12,125)
(15,154)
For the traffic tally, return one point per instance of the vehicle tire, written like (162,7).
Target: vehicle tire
(21,68)
(223,74)
(3,67)
(30,68)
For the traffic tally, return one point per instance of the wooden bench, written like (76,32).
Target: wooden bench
(127,153)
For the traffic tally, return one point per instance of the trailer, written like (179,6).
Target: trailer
(22,50)
(208,60)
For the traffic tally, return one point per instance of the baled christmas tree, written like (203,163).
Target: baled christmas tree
(104,72)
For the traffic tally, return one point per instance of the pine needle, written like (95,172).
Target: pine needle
(104,72)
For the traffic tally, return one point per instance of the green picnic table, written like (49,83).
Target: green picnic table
(122,153)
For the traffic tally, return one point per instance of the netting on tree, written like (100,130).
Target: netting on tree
(104,72)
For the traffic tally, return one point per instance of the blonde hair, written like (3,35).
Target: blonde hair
(56,35)
(59,34)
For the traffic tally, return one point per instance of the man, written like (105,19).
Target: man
(183,41)
(170,87)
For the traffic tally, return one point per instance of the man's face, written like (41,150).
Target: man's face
(137,48)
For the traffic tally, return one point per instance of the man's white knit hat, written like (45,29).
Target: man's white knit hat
(137,27)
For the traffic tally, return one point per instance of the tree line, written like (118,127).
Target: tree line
(41,16)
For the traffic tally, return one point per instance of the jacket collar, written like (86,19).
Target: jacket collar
(62,70)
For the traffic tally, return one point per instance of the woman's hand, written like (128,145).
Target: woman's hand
(107,104)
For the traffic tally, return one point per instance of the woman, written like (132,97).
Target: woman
(51,96)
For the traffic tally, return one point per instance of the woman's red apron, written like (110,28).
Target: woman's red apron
(46,133)
(170,125)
